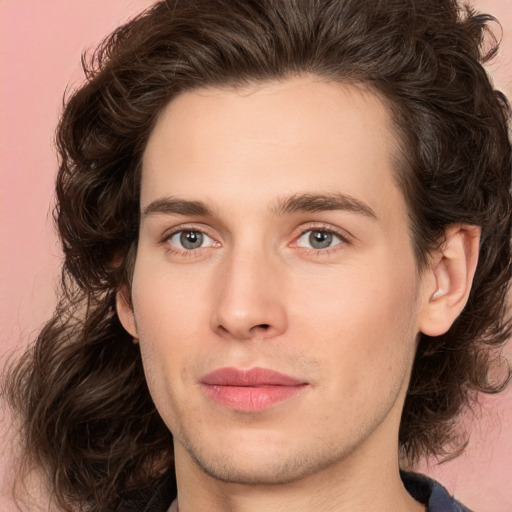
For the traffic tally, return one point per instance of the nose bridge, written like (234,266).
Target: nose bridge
(250,299)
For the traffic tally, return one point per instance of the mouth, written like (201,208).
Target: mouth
(253,390)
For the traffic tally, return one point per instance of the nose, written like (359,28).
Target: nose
(250,301)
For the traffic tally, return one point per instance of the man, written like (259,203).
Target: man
(286,226)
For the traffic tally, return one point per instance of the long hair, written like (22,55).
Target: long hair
(86,413)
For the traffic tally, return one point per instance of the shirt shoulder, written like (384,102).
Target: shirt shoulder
(431,493)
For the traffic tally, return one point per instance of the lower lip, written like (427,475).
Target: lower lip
(251,398)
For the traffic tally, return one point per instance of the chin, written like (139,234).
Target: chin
(262,462)
(256,472)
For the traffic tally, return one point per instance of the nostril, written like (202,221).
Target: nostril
(264,327)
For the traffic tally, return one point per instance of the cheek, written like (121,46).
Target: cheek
(361,321)
(168,352)
(170,315)
(169,303)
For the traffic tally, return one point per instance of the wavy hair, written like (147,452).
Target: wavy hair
(86,413)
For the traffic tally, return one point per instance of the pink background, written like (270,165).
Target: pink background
(40,47)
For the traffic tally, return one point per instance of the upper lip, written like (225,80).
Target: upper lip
(253,377)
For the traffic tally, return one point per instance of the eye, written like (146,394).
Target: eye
(318,239)
(189,240)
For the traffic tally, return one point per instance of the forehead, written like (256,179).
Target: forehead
(255,143)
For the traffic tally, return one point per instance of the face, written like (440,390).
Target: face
(276,297)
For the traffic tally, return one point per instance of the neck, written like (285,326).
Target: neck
(347,486)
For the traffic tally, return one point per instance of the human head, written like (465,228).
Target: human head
(421,59)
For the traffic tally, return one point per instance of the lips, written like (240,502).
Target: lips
(251,390)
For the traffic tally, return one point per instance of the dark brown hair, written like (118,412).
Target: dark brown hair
(87,415)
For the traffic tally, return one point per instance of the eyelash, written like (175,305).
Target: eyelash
(344,240)
(186,252)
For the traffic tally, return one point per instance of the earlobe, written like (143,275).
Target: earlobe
(125,313)
(450,279)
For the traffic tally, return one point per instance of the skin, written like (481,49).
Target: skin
(344,319)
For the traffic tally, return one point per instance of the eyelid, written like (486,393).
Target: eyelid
(166,237)
(344,236)
(204,235)
(328,228)
(201,228)
(335,238)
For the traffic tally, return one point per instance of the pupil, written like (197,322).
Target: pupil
(320,239)
(191,239)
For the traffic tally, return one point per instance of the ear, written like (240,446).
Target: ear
(449,278)
(125,313)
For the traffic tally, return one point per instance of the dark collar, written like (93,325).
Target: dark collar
(431,493)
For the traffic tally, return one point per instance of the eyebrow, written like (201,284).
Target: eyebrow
(175,206)
(297,203)
(311,203)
